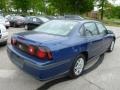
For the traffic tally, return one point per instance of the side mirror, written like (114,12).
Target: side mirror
(105,32)
(109,32)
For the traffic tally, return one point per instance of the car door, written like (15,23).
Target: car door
(94,40)
(106,39)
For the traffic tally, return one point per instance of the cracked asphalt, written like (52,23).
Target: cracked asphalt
(106,76)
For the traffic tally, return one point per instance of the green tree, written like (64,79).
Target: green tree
(113,12)
(72,6)
(3,5)
(116,12)
(22,5)
(108,10)
(103,5)
(51,10)
(38,6)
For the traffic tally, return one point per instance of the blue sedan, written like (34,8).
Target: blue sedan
(60,47)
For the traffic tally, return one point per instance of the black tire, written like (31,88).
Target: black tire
(3,43)
(72,71)
(111,48)
(7,27)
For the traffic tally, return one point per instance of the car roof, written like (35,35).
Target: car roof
(85,21)
(81,21)
(73,17)
(43,18)
(64,20)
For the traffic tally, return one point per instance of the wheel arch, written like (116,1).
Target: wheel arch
(114,38)
(85,53)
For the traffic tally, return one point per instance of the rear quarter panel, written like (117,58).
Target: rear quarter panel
(69,49)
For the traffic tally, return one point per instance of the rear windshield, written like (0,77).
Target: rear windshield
(57,27)
(44,19)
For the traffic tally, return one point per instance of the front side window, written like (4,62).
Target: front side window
(101,28)
(90,29)
(57,27)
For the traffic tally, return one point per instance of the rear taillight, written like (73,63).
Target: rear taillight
(31,50)
(44,54)
(13,41)
(41,53)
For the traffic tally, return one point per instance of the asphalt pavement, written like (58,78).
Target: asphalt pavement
(105,75)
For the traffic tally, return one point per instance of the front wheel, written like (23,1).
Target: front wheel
(111,46)
(78,66)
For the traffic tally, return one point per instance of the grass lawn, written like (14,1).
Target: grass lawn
(109,22)
(112,22)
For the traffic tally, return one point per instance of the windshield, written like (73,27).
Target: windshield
(57,27)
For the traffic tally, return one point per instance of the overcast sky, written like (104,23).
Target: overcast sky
(116,2)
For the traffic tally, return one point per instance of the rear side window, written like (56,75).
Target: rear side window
(34,19)
(90,29)
(37,20)
(101,28)
(44,19)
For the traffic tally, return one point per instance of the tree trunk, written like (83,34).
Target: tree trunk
(102,9)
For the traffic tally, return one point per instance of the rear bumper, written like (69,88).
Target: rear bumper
(40,70)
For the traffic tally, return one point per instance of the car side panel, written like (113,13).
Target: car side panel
(107,41)
(94,47)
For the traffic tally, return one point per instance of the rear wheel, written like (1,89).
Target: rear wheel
(78,66)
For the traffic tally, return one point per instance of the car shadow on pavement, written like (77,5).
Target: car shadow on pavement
(49,84)
(2,45)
